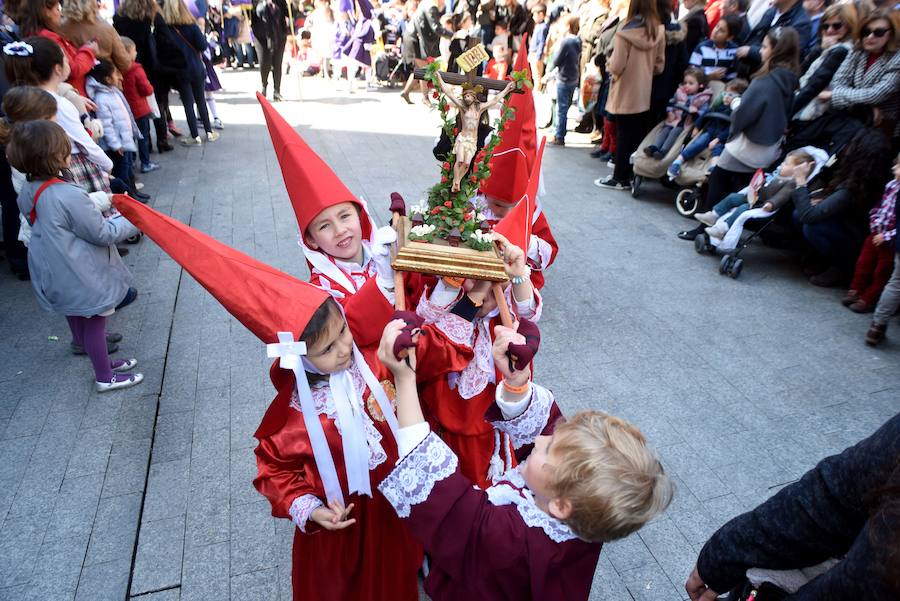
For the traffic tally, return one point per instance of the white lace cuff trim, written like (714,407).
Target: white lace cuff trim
(522,430)
(411,482)
(302,508)
(539,252)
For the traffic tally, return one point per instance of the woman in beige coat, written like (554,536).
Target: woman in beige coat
(638,54)
(80,25)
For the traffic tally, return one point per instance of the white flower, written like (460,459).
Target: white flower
(420,209)
(482,237)
(18,49)
(480,217)
(422,230)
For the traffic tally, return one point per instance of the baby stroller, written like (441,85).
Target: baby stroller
(693,175)
(736,240)
(646,167)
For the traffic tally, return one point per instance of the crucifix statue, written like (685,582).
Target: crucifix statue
(470,108)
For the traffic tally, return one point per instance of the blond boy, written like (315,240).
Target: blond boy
(537,532)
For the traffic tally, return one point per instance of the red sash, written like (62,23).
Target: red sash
(33,214)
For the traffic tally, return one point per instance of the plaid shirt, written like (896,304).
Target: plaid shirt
(883,218)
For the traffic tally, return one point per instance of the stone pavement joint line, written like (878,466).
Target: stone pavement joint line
(146,494)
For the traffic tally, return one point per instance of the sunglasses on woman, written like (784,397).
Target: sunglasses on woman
(832,26)
(878,32)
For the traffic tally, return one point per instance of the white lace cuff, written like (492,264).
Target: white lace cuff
(302,508)
(522,430)
(411,482)
(539,252)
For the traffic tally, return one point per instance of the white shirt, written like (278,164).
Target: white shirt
(67,118)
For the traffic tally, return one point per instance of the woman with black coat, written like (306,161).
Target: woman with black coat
(136,19)
(677,54)
(189,81)
(818,70)
(845,511)
(759,123)
(834,219)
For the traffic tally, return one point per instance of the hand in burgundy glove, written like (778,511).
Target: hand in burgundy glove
(398,205)
(523,354)
(409,335)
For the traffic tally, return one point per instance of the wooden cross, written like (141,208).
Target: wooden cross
(468,62)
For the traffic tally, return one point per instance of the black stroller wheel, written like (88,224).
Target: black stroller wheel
(636,185)
(701,242)
(725,264)
(736,266)
(687,202)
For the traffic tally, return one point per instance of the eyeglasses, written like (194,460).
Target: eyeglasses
(835,26)
(878,32)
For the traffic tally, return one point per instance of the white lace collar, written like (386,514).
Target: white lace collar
(511,489)
(324,403)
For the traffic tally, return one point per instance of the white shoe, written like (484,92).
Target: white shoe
(217,123)
(212,136)
(126,365)
(138,186)
(708,218)
(718,230)
(116,384)
(188,141)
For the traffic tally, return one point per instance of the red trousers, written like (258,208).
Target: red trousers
(608,143)
(873,269)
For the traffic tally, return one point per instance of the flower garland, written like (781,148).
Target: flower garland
(449,215)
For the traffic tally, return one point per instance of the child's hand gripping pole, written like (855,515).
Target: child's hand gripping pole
(514,260)
(401,335)
(398,211)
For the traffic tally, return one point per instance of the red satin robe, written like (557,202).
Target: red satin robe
(494,544)
(460,421)
(541,230)
(366,308)
(375,558)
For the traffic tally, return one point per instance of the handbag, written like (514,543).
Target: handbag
(154,106)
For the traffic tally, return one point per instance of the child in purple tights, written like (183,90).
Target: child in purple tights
(75,268)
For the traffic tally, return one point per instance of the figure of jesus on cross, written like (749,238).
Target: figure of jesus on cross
(470,111)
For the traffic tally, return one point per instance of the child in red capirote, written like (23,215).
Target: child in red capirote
(346,255)
(536,534)
(137,88)
(329,436)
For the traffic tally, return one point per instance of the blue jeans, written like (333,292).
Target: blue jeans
(666,138)
(735,201)
(834,240)
(121,165)
(564,94)
(144,144)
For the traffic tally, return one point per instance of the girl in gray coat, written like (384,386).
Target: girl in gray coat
(75,268)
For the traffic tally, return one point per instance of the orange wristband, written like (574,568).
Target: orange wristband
(453,282)
(516,389)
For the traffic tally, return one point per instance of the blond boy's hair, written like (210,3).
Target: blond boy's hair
(612,479)
(127,42)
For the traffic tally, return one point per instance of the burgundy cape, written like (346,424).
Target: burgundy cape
(495,543)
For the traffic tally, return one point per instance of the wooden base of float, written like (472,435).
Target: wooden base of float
(441,259)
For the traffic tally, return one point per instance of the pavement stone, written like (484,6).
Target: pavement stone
(153,485)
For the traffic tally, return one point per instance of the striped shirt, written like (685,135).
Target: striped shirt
(709,58)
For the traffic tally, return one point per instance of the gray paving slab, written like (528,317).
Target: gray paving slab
(152,486)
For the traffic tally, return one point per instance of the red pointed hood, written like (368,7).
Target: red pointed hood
(516,225)
(311,184)
(264,299)
(512,161)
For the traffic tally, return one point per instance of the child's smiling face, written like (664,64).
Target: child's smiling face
(337,232)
